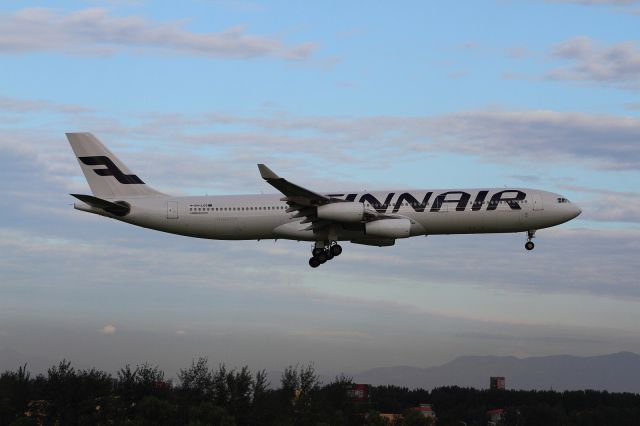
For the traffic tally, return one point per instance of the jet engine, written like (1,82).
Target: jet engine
(342,212)
(389,228)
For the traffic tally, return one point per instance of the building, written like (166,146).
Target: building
(496,382)
(358,392)
(392,418)
(426,410)
(495,416)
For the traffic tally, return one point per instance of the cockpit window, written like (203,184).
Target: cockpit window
(563,200)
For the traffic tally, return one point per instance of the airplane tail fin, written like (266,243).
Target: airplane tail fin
(107,176)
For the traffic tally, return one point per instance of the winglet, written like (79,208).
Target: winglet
(266,172)
(291,191)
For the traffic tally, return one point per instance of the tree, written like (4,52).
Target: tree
(197,381)
(338,405)
(240,385)
(62,391)
(416,418)
(140,395)
(300,386)
(260,385)
(126,382)
(373,418)
(15,387)
(264,410)
(152,410)
(207,414)
(220,388)
(150,381)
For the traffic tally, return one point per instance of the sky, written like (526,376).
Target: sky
(192,95)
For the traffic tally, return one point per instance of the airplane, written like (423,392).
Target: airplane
(326,219)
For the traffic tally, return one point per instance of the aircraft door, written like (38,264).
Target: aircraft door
(172,209)
(537,202)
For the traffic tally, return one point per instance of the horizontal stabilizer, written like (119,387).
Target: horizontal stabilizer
(119,209)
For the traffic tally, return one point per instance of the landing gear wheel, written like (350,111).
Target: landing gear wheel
(329,255)
(313,262)
(316,251)
(336,250)
(529,245)
(322,257)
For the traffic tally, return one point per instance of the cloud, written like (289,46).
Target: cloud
(108,329)
(577,261)
(218,292)
(428,340)
(518,52)
(601,141)
(23,106)
(95,32)
(568,262)
(609,206)
(597,140)
(526,178)
(617,64)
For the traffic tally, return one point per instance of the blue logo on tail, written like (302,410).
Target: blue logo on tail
(111,169)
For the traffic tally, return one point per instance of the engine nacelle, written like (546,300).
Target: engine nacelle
(389,228)
(342,212)
(373,241)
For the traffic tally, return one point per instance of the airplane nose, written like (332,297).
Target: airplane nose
(577,211)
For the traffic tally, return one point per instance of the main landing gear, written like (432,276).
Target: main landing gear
(321,254)
(529,244)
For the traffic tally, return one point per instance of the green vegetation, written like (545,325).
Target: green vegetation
(203,395)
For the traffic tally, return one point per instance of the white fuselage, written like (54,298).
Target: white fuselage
(250,217)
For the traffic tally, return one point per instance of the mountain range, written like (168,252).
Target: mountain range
(617,372)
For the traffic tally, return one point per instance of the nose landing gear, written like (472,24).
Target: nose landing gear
(321,254)
(529,244)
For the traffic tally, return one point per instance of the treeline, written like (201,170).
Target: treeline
(457,406)
(202,395)
(142,395)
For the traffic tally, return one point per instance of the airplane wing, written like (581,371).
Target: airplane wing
(305,202)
